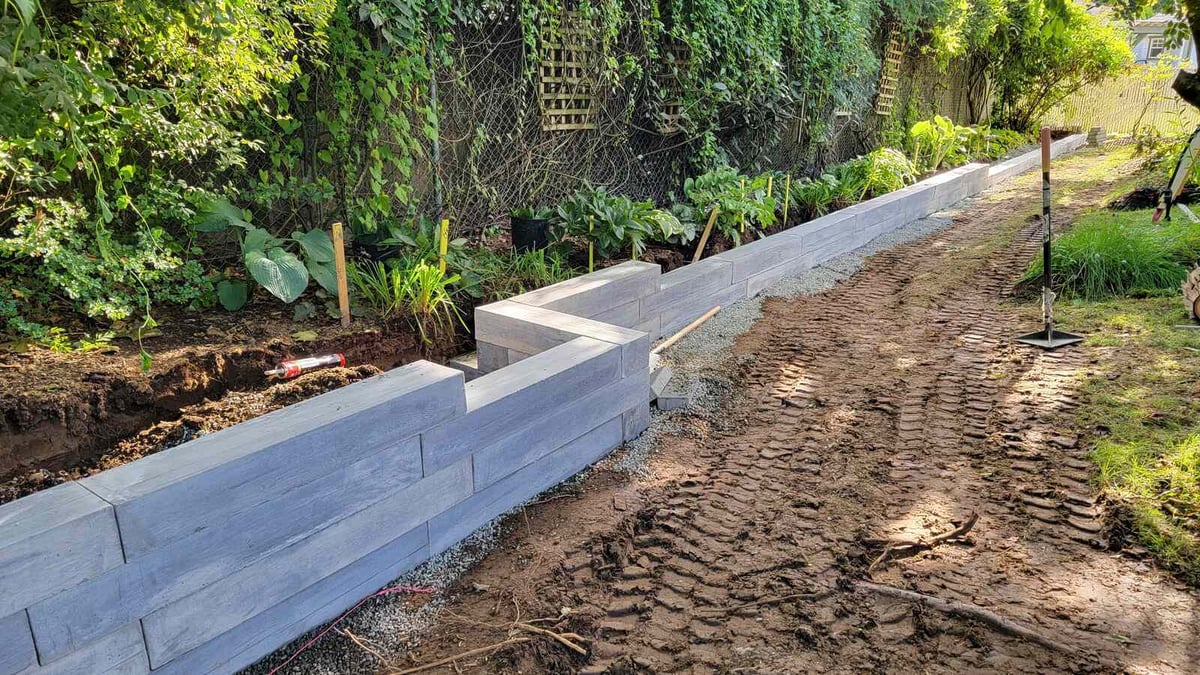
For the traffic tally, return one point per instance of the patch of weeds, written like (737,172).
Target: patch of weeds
(1142,411)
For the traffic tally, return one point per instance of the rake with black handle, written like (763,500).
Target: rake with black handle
(1047,338)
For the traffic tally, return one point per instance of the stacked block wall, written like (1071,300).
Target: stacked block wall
(207,556)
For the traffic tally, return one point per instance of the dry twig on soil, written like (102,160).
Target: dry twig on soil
(966,610)
(464,655)
(908,548)
(563,638)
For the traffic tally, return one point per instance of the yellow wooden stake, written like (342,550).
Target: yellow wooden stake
(443,244)
(787,197)
(339,265)
(742,216)
(591,247)
(712,218)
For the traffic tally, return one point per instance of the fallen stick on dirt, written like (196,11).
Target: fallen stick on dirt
(560,637)
(914,547)
(968,611)
(465,655)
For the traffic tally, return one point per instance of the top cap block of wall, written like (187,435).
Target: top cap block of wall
(531,330)
(53,540)
(157,496)
(597,292)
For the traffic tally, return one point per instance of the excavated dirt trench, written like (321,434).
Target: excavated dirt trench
(894,406)
(65,416)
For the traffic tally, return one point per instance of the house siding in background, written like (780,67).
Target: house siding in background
(1149,43)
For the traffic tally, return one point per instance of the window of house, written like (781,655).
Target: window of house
(1155,47)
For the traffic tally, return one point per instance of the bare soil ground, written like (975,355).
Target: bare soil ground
(893,407)
(68,415)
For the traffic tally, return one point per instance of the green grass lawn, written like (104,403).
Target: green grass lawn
(1142,411)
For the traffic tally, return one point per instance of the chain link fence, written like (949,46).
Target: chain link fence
(494,153)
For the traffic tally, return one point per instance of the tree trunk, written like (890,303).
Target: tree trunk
(1187,84)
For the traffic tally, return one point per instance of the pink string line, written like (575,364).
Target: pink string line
(390,590)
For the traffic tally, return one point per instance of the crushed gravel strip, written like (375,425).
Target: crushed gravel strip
(702,363)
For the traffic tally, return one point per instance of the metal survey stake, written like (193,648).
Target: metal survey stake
(1047,338)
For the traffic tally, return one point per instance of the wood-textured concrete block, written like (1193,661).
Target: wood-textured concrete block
(16,643)
(468,364)
(499,403)
(451,526)
(690,308)
(529,330)
(490,357)
(215,478)
(597,292)
(548,430)
(323,601)
(627,315)
(121,652)
(757,256)
(169,573)
(820,232)
(707,276)
(238,597)
(765,279)
(635,421)
(53,540)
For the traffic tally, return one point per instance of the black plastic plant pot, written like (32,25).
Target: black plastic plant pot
(530,234)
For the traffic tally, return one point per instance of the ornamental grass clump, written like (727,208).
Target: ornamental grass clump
(1120,254)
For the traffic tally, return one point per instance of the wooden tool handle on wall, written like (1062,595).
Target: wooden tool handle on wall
(1045,149)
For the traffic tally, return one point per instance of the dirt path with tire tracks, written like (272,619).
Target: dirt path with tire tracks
(893,406)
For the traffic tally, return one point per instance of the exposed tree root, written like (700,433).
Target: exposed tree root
(968,611)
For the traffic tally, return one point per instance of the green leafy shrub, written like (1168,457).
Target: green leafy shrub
(55,251)
(1161,153)
(743,201)
(419,291)
(1117,254)
(932,141)
(616,224)
(273,261)
(116,120)
(996,143)
(876,173)
(815,196)
(611,222)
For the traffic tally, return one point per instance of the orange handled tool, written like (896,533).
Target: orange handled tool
(289,369)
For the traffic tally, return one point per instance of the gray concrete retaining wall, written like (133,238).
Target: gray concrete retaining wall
(207,556)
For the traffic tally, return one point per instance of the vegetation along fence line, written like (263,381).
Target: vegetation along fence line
(209,555)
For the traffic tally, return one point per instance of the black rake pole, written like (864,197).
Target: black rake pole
(1047,338)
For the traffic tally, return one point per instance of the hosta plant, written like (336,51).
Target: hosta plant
(281,265)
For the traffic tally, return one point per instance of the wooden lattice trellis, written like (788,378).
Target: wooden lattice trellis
(669,112)
(567,94)
(889,75)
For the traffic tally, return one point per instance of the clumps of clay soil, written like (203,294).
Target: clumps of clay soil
(1147,198)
